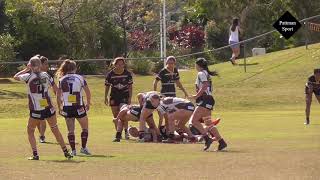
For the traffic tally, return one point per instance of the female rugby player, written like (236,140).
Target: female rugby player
(169,76)
(204,101)
(312,86)
(131,113)
(70,96)
(40,104)
(149,101)
(120,80)
(42,125)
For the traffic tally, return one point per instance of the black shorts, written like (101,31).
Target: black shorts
(316,92)
(168,95)
(205,101)
(43,114)
(148,105)
(117,100)
(136,111)
(74,112)
(194,130)
(188,106)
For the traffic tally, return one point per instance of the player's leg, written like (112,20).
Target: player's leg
(42,129)
(125,123)
(52,121)
(32,124)
(308,93)
(183,118)
(197,115)
(83,121)
(215,133)
(145,113)
(70,122)
(115,111)
(152,125)
(122,118)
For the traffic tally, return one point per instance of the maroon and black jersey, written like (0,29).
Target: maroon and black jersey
(314,84)
(119,83)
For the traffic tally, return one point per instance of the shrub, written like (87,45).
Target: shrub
(7,54)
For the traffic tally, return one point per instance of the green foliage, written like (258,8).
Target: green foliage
(7,53)
(143,66)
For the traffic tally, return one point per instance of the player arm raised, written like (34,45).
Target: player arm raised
(16,76)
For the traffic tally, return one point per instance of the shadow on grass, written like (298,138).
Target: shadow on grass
(65,161)
(8,81)
(12,94)
(55,143)
(252,64)
(97,156)
(227,151)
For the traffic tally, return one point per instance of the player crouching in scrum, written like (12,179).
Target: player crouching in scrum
(132,113)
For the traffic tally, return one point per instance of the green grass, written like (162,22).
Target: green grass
(262,115)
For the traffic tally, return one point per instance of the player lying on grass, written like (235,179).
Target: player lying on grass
(149,101)
(40,104)
(204,101)
(312,86)
(70,96)
(132,113)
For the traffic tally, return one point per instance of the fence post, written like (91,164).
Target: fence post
(306,28)
(245,57)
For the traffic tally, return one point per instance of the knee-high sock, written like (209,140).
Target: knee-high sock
(72,141)
(84,138)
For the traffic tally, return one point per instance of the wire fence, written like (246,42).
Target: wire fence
(309,31)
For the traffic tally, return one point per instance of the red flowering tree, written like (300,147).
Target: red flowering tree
(189,37)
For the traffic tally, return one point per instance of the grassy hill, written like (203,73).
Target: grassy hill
(262,120)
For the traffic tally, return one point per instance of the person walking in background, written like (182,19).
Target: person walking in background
(234,34)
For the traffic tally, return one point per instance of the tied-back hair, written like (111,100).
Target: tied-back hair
(316,71)
(203,63)
(43,59)
(36,62)
(67,66)
(235,23)
(116,60)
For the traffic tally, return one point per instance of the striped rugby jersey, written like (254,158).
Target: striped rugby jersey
(168,80)
(38,90)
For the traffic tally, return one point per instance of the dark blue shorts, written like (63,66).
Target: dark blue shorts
(74,111)
(43,114)
(316,92)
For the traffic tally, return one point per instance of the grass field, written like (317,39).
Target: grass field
(262,115)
